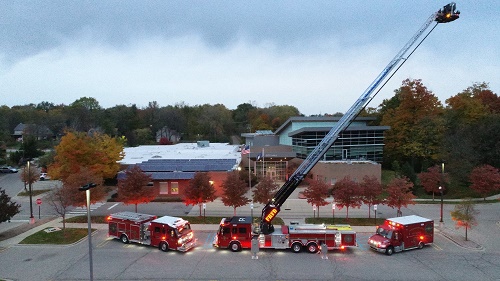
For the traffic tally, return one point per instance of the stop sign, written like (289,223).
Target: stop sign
(39,201)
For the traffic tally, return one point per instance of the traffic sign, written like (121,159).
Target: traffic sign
(39,201)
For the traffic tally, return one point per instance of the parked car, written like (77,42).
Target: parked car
(8,169)
(44,176)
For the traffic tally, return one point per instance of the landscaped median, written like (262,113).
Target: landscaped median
(56,236)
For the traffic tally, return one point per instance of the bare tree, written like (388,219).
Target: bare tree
(465,215)
(60,199)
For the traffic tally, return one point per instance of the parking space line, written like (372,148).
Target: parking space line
(436,247)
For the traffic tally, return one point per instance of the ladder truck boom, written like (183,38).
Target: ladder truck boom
(272,208)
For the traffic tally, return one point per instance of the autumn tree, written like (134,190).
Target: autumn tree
(416,126)
(134,189)
(234,190)
(464,215)
(432,179)
(8,209)
(60,199)
(347,194)
(371,189)
(29,175)
(200,190)
(316,193)
(399,193)
(73,182)
(265,190)
(485,179)
(99,153)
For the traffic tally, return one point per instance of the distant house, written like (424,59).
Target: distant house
(173,166)
(40,132)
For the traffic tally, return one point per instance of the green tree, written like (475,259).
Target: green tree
(464,215)
(234,190)
(200,190)
(416,126)
(134,189)
(8,209)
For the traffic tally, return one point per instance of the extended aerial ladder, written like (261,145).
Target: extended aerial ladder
(272,208)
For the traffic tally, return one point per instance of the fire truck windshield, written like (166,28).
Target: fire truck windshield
(384,232)
(183,230)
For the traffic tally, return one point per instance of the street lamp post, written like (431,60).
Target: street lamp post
(87,188)
(333,211)
(32,218)
(441,192)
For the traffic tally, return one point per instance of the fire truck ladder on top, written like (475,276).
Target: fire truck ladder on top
(272,208)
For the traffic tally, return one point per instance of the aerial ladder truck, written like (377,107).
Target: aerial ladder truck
(447,14)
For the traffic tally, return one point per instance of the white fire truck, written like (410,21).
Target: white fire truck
(236,233)
(167,233)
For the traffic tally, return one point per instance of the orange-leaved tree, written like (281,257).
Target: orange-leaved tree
(84,176)
(234,190)
(399,193)
(371,189)
(264,190)
(200,190)
(485,179)
(98,152)
(134,189)
(347,194)
(316,193)
(433,179)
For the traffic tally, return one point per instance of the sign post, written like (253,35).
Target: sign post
(39,203)
(375,209)
(333,211)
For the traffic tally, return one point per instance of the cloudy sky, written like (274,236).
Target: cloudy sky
(318,56)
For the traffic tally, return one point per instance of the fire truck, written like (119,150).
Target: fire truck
(402,234)
(272,208)
(166,233)
(236,233)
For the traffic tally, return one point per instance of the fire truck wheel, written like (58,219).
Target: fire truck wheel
(164,246)
(235,246)
(124,238)
(296,247)
(420,245)
(389,251)
(312,248)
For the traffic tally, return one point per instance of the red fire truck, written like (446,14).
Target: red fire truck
(236,233)
(401,234)
(167,233)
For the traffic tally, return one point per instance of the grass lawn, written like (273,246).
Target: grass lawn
(33,192)
(61,237)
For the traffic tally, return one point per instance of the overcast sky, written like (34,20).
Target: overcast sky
(318,56)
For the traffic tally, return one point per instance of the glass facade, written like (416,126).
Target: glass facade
(354,144)
(274,169)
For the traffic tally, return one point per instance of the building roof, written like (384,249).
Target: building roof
(318,119)
(136,155)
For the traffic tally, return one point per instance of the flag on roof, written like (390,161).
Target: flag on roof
(245,150)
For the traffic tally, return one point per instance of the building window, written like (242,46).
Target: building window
(163,187)
(174,188)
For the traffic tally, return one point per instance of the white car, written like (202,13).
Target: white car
(8,169)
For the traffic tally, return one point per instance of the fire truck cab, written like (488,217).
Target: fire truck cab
(402,234)
(167,233)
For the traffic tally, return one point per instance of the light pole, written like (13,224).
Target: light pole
(441,192)
(251,210)
(87,188)
(32,218)
(333,210)
(375,210)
